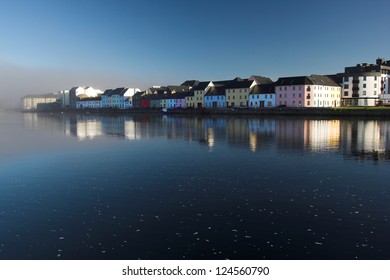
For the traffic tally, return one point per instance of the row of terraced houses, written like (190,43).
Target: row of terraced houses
(360,85)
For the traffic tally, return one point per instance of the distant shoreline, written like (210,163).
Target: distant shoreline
(379,112)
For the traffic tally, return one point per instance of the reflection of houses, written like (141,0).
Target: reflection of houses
(261,133)
(237,131)
(132,130)
(289,134)
(88,128)
(366,139)
(322,135)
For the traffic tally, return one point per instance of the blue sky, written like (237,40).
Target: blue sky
(50,45)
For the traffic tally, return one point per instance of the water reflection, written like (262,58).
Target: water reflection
(360,139)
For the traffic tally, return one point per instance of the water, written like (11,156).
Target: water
(165,187)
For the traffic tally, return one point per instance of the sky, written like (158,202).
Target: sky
(50,45)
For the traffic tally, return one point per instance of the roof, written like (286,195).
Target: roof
(323,81)
(306,80)
(239,84)
(201,86)
(261,79)
(263,89)
(190,83)
(216,90)
(118,91)
(177,89)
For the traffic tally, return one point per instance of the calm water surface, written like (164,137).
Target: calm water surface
(165,187)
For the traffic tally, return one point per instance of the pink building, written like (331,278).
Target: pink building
(307,91)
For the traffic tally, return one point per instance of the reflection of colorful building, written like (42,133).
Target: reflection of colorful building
(322,135)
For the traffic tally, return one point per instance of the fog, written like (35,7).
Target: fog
(17,81)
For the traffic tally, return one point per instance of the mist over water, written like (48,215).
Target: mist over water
(162,187)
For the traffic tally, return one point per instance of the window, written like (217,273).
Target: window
(375,92)
(364,85)
(346,79)
(293,95)
(308,103)
(364,78)
(300,95)
(375,78)
(293,88)
(280,95)
(266,96)
(364,92)
(374,85)
(285,88)
(346,86)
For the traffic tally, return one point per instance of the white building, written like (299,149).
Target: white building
(30,102)
(366,84)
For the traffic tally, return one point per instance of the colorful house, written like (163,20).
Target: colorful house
(215,97)
(262,96)
(199,93)
(307,91)
(89,102)
(237,92)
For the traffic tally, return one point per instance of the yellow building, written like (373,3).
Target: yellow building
(237,93)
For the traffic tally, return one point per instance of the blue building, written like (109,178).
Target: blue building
(262,96)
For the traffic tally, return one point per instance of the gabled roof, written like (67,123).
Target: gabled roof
(307,80)
(226,83)
(239,84)
(118,91)
(323,81)
(201,86)
(263,89)
(190,83)
(261,79)
(107,92)
(177,89)
(216,90)
(288,81)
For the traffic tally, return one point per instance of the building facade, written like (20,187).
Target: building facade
(366,84)
(262,96)
(307,91)
(237,93)
(30,102)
